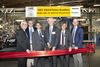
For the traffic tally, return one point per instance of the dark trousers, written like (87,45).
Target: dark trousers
(22,62)
(65,60)
(42,62)
(52,61)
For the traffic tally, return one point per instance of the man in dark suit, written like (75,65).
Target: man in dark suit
(38,44)
(65,43)
(22,43)
(51,37)
(30,29)
(77,35)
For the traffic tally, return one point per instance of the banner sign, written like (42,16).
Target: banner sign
(53,11)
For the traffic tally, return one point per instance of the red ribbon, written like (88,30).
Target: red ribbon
(88,49)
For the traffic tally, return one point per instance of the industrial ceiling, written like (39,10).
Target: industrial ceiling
(24,3)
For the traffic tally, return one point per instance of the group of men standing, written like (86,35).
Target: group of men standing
(31,38)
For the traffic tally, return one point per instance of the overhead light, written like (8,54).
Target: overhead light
(69,2)
(1,26)
(63,2)
(80,6)
(19,20)
(0,19)
(81,19)
(98,20)
(51,4)
(97,5)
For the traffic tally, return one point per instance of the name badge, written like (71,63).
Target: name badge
(53,32)
(42,35)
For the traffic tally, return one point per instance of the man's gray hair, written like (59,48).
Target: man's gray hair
(22,22)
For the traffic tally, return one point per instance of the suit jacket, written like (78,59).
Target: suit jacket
(36,41)
(55,36)
(78,37)
(68,40)
(27,31)
(22,41)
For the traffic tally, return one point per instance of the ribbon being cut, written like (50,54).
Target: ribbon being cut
(89,49)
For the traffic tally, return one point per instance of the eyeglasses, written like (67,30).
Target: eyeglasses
(24,24)
(30,23)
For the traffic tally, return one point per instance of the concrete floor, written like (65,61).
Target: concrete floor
(95,61)
(96,58)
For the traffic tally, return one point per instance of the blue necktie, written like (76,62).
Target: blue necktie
(30,35)
(50,35)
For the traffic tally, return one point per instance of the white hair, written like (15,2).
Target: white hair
(51,18)
(23,22)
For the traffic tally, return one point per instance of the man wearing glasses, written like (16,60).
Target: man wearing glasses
(22,43)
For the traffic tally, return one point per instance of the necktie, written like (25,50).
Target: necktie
(50,35)
(30,35)
(26,34)
(41,40)
(62,39)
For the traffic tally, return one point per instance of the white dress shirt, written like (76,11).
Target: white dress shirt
(39,32)
(73,33)
(31,28)
(61,37)
(51,28)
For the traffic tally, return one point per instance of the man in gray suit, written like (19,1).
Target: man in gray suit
(51,37)
(30,29)
(65,43)
(38,44)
